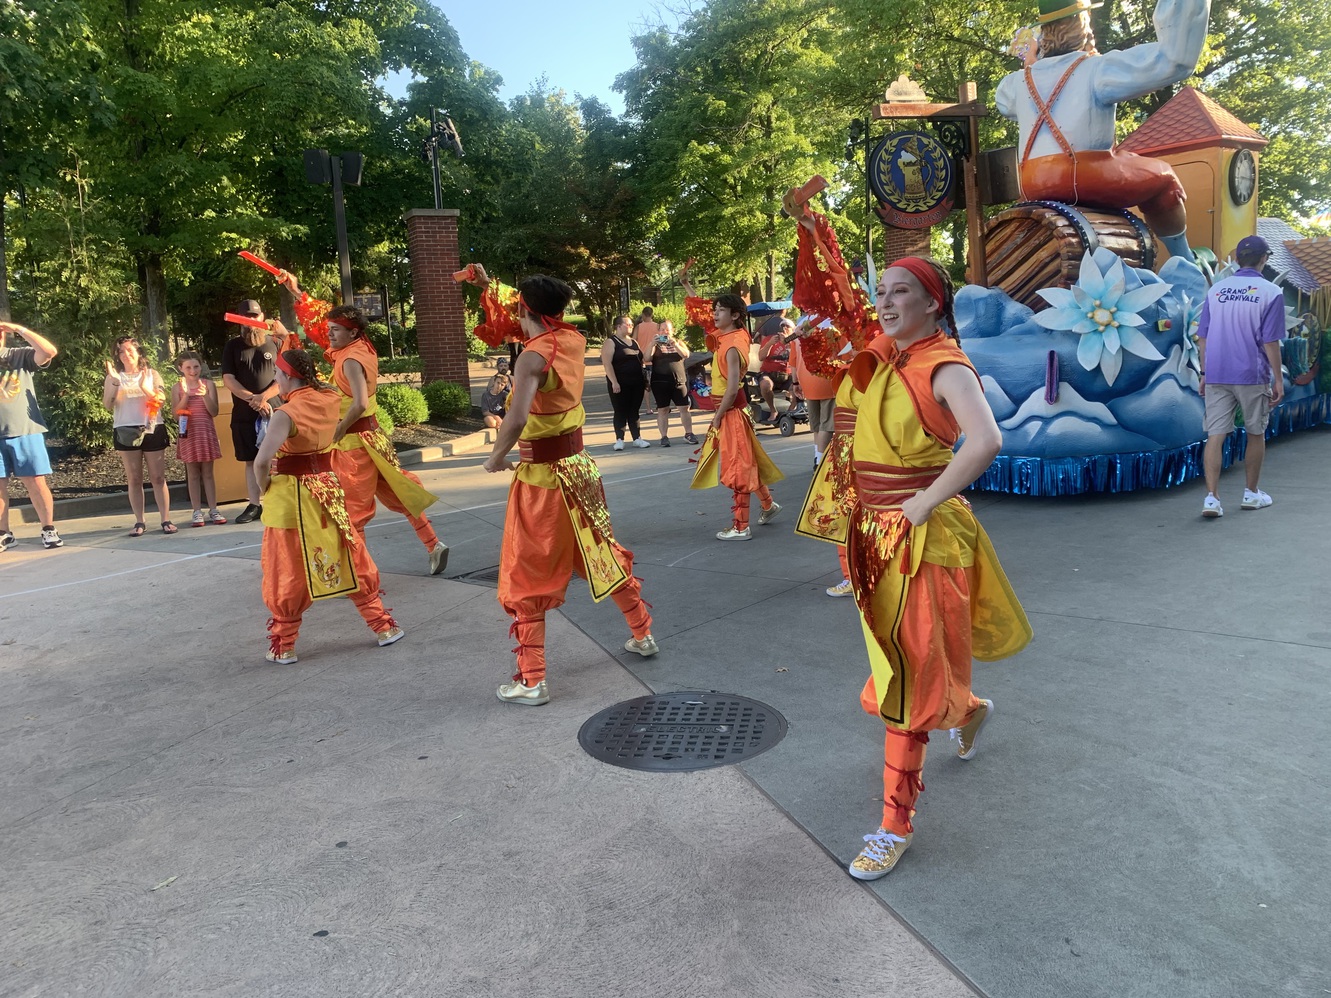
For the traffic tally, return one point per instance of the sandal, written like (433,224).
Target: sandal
(168,527)
(138,530)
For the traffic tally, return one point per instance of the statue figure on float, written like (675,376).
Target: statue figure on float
(1064,101)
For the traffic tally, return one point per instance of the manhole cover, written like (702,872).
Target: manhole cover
(481,577)
(672,732)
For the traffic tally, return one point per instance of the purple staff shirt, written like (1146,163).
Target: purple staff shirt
(1240,314)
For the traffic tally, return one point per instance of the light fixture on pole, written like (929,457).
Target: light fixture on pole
(442,130)
(346,167)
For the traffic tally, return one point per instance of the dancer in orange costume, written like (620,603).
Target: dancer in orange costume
(731,455)
(310,548)
(927,582)
(557,522)
(363,456)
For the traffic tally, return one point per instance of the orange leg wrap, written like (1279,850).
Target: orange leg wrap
(628,598)
(740,508)
(903,762)
(765,496)
(530,632)
(841,557)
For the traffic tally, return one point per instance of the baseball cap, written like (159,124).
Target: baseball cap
(1252,245)
(249,307)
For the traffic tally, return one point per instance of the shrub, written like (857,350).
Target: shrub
(385,422)
(447,400)
(403,341)
(405,405)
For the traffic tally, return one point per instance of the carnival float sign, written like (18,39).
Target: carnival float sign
(911,175)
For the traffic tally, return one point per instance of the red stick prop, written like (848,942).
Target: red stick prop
(467,273)
(246,320)
(260,262)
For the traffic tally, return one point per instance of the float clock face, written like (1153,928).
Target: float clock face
(1242,176)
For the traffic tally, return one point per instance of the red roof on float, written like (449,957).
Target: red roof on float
(1191,120)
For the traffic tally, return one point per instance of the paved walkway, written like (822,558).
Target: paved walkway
(1146,815)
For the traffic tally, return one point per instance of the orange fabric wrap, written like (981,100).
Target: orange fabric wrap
(313,414)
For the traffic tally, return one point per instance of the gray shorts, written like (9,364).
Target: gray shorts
(820,414)
(1223,400)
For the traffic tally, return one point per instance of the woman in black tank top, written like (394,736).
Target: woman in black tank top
(669,387)
(624,379)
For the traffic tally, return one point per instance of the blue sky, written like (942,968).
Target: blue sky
(579,46)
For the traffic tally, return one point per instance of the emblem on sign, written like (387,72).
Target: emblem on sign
(910,174)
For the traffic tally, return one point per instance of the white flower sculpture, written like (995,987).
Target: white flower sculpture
(1105,315)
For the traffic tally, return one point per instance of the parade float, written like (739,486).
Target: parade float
(1083,298)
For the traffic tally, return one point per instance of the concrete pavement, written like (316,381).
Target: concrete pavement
(1144,817)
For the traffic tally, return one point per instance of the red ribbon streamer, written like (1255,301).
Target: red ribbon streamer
(246,320)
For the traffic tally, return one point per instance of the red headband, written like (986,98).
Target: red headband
(286,368)
(926,275)
(549,322)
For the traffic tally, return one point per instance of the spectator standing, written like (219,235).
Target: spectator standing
(669,386)
(194,401)
(1238,343)
(622,358)
(494,399)
(134,393)
(644,334)
(249,374)
(820,398)
(23,432)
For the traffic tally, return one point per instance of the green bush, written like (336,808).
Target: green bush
(399,365)
(385,422)
(447,400)
(405,405)
(404,339)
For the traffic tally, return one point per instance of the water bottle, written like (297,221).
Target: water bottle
(260,429)
(183,418)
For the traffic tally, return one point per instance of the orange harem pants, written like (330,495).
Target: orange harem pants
(286,591)
(362,483)
(739,466)
(540,555)
(1103,179)
(937,679)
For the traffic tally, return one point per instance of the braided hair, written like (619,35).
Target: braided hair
(303,365)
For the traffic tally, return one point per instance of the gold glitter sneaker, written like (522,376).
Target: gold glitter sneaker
(529,696)
(393,634)
(879,856)
(731,534)
(438,558)
(842,588)
(287,657)
(769,514)
(645,646)
(965,737)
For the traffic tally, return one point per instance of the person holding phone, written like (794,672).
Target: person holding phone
(669,387)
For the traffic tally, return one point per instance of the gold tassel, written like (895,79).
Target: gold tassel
(581,482)
(327,492)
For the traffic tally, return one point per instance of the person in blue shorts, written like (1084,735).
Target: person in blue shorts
(22,431)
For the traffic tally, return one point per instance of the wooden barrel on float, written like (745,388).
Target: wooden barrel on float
(1040,244)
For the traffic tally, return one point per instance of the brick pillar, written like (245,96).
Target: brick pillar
(441,334)
(903,242)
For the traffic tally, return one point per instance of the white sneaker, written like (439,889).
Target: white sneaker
(51,536)
(645,646)
(1211,507)
(842,588)
(619,445)
(731,534)
(1255,500)
(640,442)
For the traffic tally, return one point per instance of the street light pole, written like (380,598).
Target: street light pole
(434,159)
(343,249)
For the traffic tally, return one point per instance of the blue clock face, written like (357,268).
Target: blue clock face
(1242,177)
